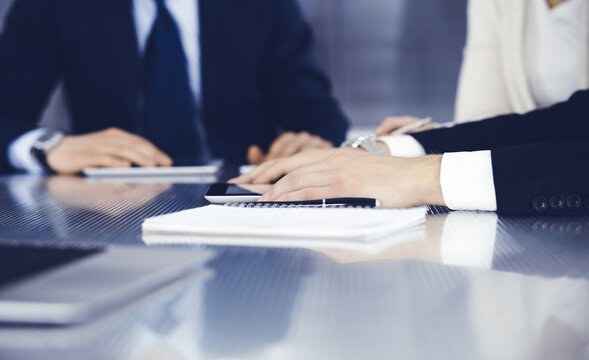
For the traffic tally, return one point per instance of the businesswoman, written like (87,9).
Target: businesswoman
(520,55)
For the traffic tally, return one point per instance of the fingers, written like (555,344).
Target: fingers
(293,146)
(315,142)
(134,148)
(393,123)
(255,155)
(127,153)
(300,142)
(272,170)
(107,148)
(252,175)
(423,128)
(278,147)
(291,143)
(106,160)
(301,185)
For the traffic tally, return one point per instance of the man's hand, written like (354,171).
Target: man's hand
(319,174)
(108,148)
(285,145)
(391,124)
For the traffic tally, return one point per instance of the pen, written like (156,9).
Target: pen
(336,202)
(412,126)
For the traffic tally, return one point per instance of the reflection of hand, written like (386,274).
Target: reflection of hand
(396,182)
(287,144)
(108,148)
(107,198)
(391,124)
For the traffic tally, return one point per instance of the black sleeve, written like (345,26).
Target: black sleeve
(542,178)
(299,91)
(564,122)
(29,68)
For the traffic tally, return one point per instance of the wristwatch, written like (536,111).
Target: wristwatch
(366,142)
(45,143)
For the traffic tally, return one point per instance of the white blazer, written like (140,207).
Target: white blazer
(493,78)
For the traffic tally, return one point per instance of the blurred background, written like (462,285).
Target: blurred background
(384,57)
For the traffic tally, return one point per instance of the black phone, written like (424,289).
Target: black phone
(230,193)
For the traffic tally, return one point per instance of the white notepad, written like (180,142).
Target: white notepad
(359,228)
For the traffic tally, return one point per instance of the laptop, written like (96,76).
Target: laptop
(63,286)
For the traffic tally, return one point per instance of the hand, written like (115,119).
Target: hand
(107,148)
(287,144)
(391,124)
(274,169)
(396,182)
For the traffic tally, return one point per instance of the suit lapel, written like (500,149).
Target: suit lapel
(119,30)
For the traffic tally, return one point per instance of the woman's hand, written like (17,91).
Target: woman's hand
(393,123)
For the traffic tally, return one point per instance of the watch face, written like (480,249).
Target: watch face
(47,141)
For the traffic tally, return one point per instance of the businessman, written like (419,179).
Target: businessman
(531,164)
(147,81)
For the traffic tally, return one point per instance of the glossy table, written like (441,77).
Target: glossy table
(475,286)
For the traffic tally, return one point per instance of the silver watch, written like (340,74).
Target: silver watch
(366,142)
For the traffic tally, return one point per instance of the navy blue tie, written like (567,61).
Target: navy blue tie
(171,116)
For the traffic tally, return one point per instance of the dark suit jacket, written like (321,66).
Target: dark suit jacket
(258,75)
(540,159)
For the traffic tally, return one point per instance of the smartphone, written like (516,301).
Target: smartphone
(230,193)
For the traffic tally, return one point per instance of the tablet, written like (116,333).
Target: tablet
(230,193)
(180,168)
(62,286)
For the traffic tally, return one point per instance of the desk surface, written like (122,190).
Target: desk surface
(474,287)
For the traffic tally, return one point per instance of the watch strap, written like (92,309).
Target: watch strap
(44,144)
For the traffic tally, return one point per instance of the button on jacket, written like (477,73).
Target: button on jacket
(539,159)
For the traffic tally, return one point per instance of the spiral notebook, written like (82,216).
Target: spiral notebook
(355,228)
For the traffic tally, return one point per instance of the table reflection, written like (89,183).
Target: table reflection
(472,286)
(76,210)
(294,304)
(548,246)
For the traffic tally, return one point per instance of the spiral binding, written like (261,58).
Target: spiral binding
(252,205)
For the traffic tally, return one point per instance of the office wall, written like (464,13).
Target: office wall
(384,56)
(390,56)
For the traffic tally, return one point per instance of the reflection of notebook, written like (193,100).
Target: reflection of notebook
(181,167)
(286,227)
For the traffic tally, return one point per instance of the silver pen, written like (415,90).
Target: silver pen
(412,126)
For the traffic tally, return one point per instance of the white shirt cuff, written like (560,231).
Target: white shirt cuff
(19,151)
(467,182)
(403,145)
